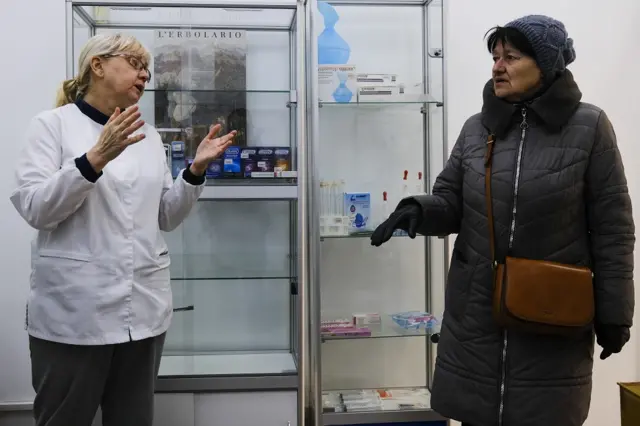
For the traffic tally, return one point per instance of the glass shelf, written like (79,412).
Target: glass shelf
(385,330)
(366,234)
(395,100)
(213,193)
(195,267)
(261,92)
(220,364)
(223,14)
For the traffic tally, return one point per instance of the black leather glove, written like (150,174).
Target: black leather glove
(406,217)
(611,338)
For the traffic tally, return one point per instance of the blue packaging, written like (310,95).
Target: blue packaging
(177,158)
(215,168)
(232,165)
(357,206)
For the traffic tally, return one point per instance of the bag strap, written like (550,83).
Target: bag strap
(488,160)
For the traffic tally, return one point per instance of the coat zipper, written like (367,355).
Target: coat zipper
(512,229)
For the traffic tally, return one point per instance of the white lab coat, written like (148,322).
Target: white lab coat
(100,266)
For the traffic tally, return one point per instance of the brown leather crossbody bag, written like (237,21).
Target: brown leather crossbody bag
(537,296)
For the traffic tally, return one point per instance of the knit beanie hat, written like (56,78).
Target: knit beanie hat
(551,44)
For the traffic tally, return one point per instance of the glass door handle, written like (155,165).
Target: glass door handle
(184,308)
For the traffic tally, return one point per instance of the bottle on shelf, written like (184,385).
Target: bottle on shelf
(385,207)
(405,185)
(405,194)
(333,221)
(419,186)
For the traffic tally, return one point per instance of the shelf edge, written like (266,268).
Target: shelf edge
(356,418)
(249,192)
(168,384)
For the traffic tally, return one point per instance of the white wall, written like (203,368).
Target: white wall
(605,68)
(33,64)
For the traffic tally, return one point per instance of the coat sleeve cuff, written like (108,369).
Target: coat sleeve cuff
(192,179)
(86,169)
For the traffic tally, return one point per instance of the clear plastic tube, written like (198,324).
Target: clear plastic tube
(419,186)
(385,207)
(405,185)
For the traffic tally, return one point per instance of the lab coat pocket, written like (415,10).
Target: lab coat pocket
(163,260)
(59,254)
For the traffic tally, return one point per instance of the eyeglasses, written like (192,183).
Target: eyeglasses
(136,63)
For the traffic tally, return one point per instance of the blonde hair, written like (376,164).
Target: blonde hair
(98,45)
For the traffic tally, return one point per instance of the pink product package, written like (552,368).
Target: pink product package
(347,331)
(333,324)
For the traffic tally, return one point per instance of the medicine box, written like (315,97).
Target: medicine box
(337,83)
(249,158)
(378,93)
(357,207)
(281,159)
(178,161)
(377,79)
(232,166)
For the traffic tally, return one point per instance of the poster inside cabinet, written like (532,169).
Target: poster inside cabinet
(200,79)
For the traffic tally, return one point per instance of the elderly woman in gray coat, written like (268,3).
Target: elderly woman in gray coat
(559,194)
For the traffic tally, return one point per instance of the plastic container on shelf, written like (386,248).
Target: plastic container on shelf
(415,320)
(332,48)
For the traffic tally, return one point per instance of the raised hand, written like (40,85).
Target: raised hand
(116,137)
(211,148)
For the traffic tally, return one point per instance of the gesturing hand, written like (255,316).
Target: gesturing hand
(211,148)
(116,137)
(407,218)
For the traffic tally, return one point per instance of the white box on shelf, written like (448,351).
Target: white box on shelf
(379,93)
(360,319)
(377,79)
(334,226)
(357,207)
(337,83)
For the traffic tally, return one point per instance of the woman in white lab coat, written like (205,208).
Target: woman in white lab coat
(92,179)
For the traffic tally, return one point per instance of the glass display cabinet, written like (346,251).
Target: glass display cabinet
(376,136)
(340,108)
(234,261)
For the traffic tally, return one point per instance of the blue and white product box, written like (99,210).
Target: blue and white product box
(232,166)
(177,158)
(357,207)
(337,83)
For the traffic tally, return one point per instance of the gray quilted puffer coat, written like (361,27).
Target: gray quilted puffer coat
(571,206)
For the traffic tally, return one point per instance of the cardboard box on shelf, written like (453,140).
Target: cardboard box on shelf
(630,403)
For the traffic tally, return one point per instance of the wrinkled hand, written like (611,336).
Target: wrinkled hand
(611,338)
(407,218)
(116,137)
(211,148)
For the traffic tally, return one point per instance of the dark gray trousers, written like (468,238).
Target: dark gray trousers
(72,381)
